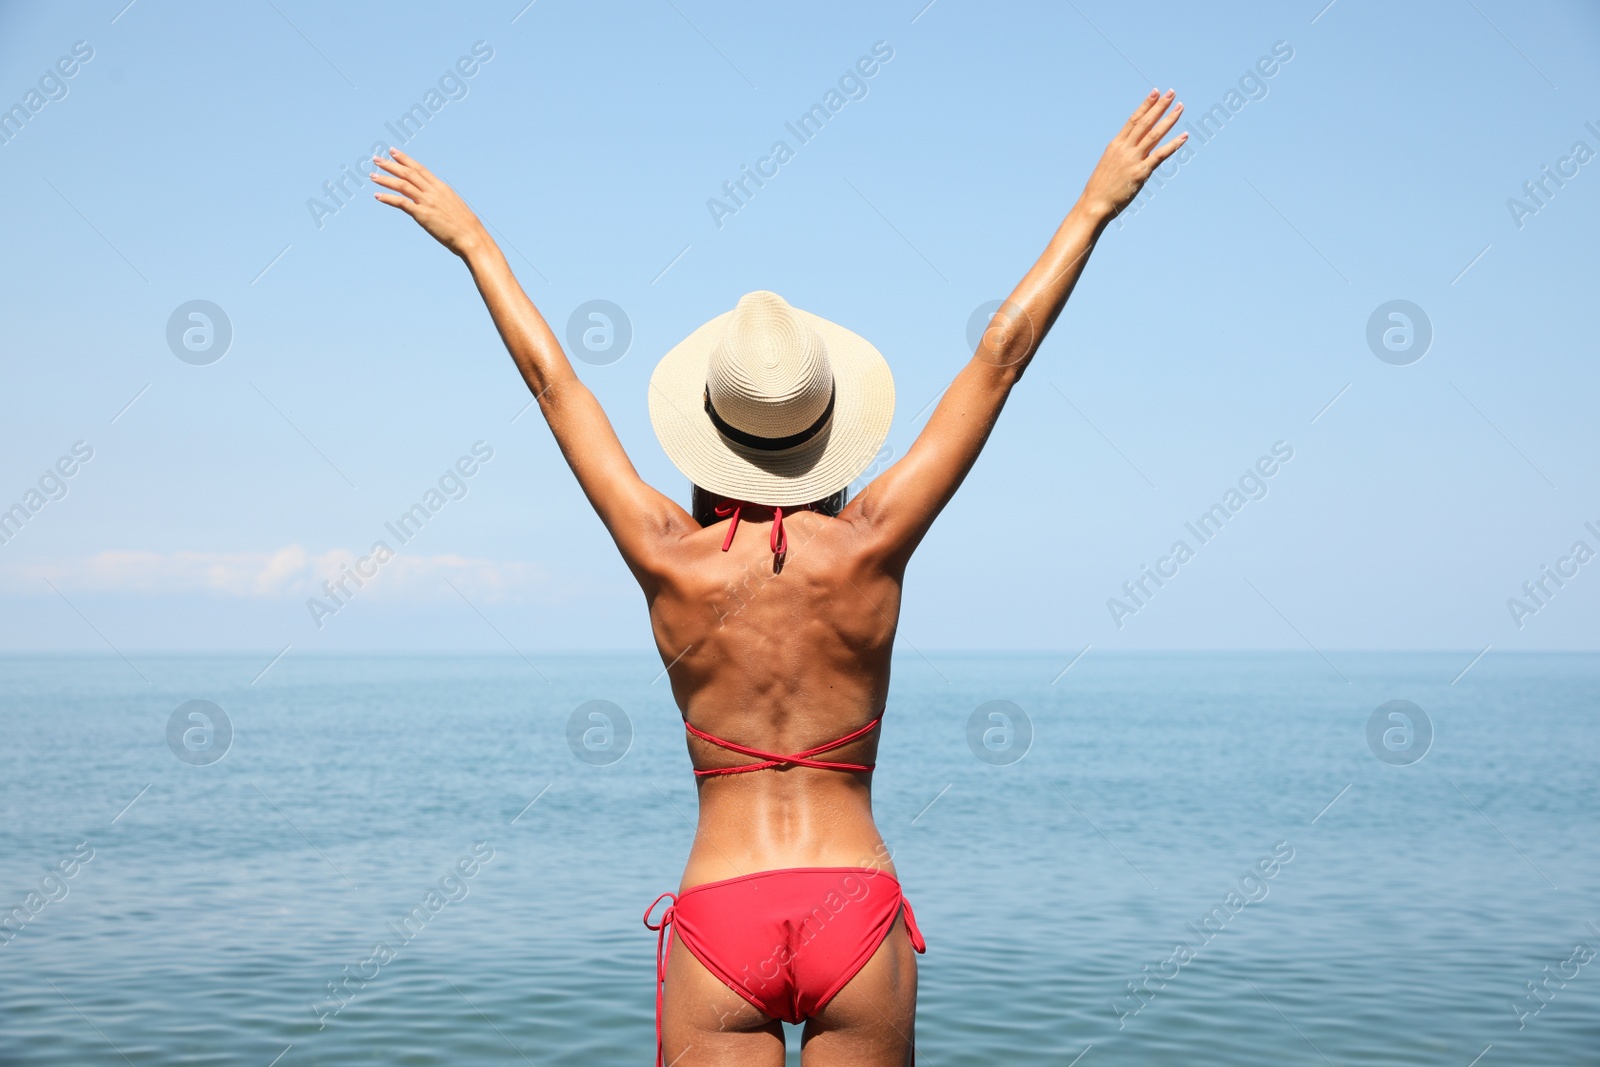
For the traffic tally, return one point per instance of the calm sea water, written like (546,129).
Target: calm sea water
(222,899)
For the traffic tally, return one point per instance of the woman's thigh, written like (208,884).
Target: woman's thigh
(706,1024)
(871,1022)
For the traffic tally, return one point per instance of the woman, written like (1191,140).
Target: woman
(774,606)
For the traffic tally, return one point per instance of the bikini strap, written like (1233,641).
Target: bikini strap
(912,930)
(778,540)
(663,943)
(722,511)
(774,759)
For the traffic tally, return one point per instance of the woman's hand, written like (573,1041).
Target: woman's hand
(436,207)
(1131,157)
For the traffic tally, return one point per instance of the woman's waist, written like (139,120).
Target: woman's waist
(732,844)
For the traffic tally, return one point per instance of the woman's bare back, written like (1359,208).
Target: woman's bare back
(781,659)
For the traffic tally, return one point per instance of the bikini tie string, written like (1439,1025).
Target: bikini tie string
(778,759)
(663,942)
(778,540)
(722,511)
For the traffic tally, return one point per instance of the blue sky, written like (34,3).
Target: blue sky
(1220,318)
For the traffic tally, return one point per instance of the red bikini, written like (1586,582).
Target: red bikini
(785,940)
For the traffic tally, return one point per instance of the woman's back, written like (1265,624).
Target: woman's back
(781,660)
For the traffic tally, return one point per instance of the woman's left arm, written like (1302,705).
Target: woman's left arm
(641,519)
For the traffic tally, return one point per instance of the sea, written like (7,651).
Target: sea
(1200,858)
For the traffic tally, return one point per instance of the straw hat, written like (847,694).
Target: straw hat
(770,404)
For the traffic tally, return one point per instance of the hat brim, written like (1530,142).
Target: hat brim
(830,461)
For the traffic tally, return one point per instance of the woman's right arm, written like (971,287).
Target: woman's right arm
(899,506)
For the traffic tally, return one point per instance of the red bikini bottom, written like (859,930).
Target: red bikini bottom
(785,940)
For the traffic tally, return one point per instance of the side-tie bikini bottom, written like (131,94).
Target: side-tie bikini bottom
(785,940)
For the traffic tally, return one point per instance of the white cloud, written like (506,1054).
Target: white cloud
(288,573)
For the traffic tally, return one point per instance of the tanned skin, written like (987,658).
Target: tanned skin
(787,659)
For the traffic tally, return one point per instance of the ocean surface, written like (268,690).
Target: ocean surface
(1286,885)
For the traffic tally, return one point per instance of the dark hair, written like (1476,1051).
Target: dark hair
(703,503)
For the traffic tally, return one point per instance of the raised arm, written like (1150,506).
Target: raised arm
(639,518)
(899,505)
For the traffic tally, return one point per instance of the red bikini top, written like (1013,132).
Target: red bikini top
(779,543)
(774,759)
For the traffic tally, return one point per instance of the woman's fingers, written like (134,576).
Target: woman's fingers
(397,176)
(1159,156)
(404,204)
(1161,129)
(1138,113)
(1151,114)
(400,169)
(419,175)
(397,184)
(395,167)
(391,167)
